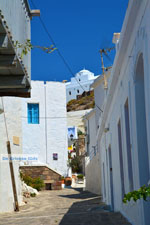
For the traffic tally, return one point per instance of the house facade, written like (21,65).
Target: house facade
(14,130)
(92,159)
(92,121)
(78,84)
(15,75)
(44,125)
(124,123)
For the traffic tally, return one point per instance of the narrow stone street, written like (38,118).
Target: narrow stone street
(66,207)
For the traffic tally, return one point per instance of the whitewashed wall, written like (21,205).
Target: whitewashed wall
(50,135)
(92,161)
(34,137)
(75,118)
(122,86)
(93,175)
(13,119)
(57,137)
(78,84)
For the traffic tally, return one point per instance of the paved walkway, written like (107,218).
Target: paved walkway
(66,207)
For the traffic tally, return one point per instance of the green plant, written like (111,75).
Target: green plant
(27,47)
(75,164)
(21,175)
(32,194)
(80,132)
(28,180)
(141,193)
(62,178)
(80,176)
(36,183)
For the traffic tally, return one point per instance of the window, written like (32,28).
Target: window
(69,92)
(55,156)
(104,184)
(79,80)
(78,91)
(33,113)
(121,158)
(128,142)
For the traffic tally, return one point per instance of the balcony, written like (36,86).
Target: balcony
(15,74)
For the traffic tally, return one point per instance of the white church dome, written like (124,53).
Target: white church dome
(85,72)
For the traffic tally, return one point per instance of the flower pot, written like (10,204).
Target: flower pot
(68,181)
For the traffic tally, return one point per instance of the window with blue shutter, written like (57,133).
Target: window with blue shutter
(33,113)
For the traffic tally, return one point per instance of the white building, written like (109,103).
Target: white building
(124,123)
(44,125)
(92,122)
(14,81)
(75,119)
(14,130)
(80,83)
(36,127)
(92,159)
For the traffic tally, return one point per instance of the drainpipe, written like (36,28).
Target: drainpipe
(45,122)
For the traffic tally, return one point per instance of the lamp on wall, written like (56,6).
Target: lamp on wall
(71,137)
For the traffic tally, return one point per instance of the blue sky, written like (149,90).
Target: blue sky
(79,28)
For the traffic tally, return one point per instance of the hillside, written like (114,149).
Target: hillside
(85,101)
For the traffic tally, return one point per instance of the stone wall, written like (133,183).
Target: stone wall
(51,179)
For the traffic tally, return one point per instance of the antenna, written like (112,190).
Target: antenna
(104,69)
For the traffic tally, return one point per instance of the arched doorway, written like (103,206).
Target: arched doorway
(141,122)
(142,145)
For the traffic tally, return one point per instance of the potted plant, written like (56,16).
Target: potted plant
(68,181)
(62,179)
(80,178)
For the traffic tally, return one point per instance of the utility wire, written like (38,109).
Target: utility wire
(58,51)
(53,117)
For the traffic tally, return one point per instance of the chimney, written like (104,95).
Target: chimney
(64,81)
(115,40)
(35,12)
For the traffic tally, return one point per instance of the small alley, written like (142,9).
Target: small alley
(65,207)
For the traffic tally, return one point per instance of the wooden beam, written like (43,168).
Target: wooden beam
(16,92)
(12,81)
(12,177)
(7,61)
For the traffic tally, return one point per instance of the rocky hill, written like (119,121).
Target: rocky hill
(85,101)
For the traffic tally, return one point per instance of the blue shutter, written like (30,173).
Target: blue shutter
(36,113)
(33,113)
(29,113)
